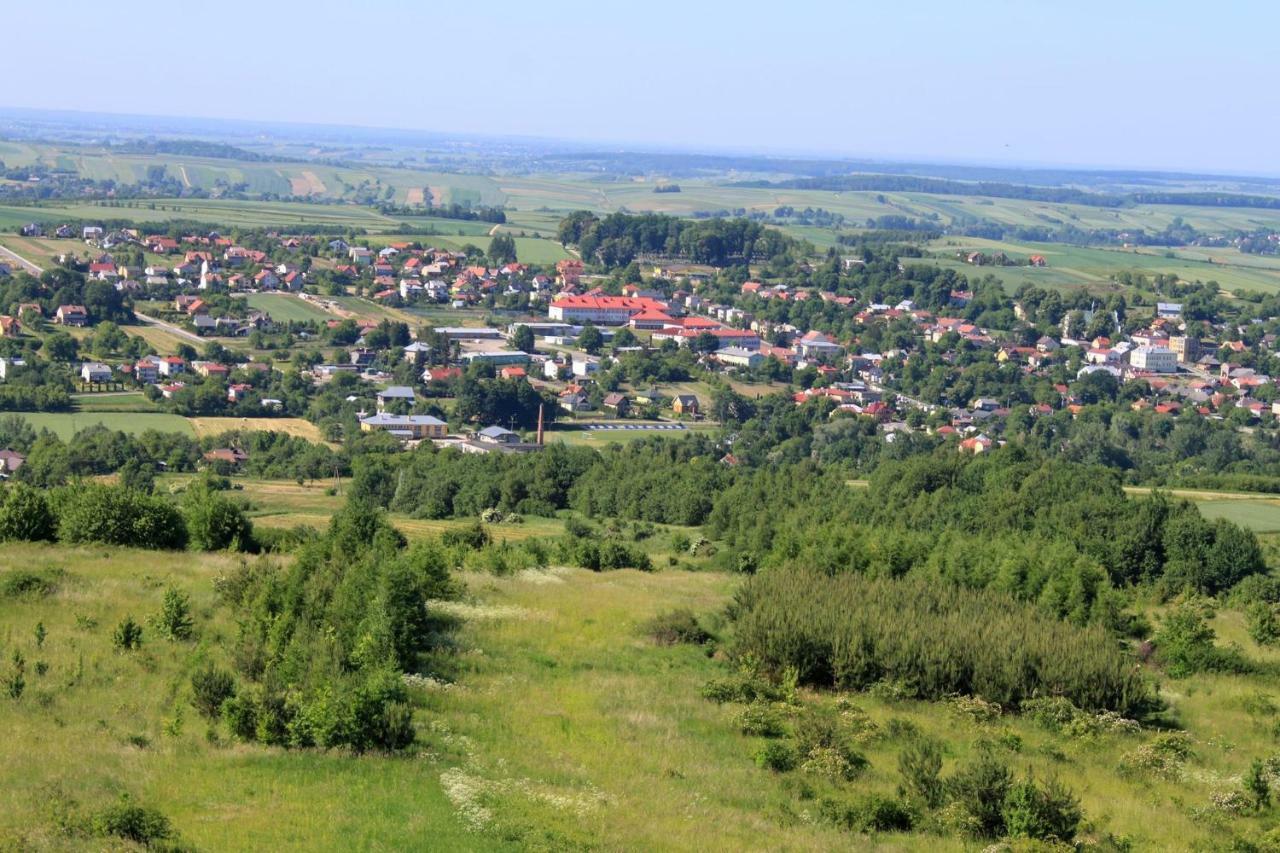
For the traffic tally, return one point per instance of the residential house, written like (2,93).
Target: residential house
(395,394)
(94,373)
(9,366)
(685,404)
(71,315)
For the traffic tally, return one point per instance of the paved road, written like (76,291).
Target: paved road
(169,327)
(26,264)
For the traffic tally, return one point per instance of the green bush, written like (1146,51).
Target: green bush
(1264,628)
(1047,812)
(920,765)
(128,635)
(871,813)
(211,687)
(214,522)
(979,787)
(174,621)
(826,746)
(760,719)
(778,756)
(935,639)
(132,822)
(676,626)
(110,515)
(22,583)
(25,515)
(1185,645)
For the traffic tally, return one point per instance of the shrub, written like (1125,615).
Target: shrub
(211,687)
(214,521)
(1257,784)
(174,621)
(935,639)
(1264,628)
(778,756)
(980,787)
(114,516)
(761,720)
(1185,645)
(826,745)
(676,626)
(872,813)
(920,765)
(21,583)
(132,822)
(128,635)
(1048,811)
(25,515)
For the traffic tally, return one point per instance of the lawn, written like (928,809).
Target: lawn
(67,424)
(285,308)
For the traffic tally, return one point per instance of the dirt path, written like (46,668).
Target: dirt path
(170,328)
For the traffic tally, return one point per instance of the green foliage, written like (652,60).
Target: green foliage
(1185,644)
(111,515)
(1257,784)
(825,744)
(979,787)
(323,641)
(1264,628)
(1047,812)
(127,636)
(869,813)
(22,583)
(25,515)
(920,765)
(761,719)
(15,681)
(132,822)
(676,626)
(937,640)
(778,756)
(174,621)
(211,687)
(214,522)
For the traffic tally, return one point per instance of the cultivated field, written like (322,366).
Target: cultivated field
(67,424)
(292,426)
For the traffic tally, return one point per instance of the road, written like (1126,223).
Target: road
(178,331)
(26,264)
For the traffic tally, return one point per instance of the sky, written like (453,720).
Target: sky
(1172,84)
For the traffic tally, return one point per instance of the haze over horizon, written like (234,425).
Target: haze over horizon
(1094,85)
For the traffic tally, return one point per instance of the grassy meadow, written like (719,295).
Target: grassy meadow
(285,308)
(67,424)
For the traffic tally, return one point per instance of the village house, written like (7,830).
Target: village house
(71,315)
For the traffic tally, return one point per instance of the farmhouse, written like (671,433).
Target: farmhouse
(71,315)
(685,404)
(95,372)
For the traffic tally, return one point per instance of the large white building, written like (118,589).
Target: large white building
(601,310)
(1155,359)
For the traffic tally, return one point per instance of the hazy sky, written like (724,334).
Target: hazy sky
(1169,84)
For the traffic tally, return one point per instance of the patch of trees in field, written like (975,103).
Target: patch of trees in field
(617,239)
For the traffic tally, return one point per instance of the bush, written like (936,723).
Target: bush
(132,822)
(214,521)
(872,813)
(1185,645)
(128,635)
(676,626)
(21,583)
(25,515)
(920,765)
(1264,628)
(759,719)
(114,516)
(826,745)
(174,621)
(979,787)
(936,639)
(778,756)
(1048,811)
(211,687)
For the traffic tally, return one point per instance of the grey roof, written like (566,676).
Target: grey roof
(396,392)
(401,420)
(495,432)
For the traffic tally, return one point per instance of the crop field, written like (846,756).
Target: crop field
(115,401)
(1076,266)
(1261,515)
(203,427)
(286,308)
(67,424)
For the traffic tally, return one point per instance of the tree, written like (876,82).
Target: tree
(920,765)
(1263,625)
(214,521)
(522,339)
(1257,784)
(61,347)
(174,620)
(502,249)
(980,787)
(25,515)
(591,340)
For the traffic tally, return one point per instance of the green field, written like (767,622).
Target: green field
(284,308)
(1261,516)
(67,424)
(128,401)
